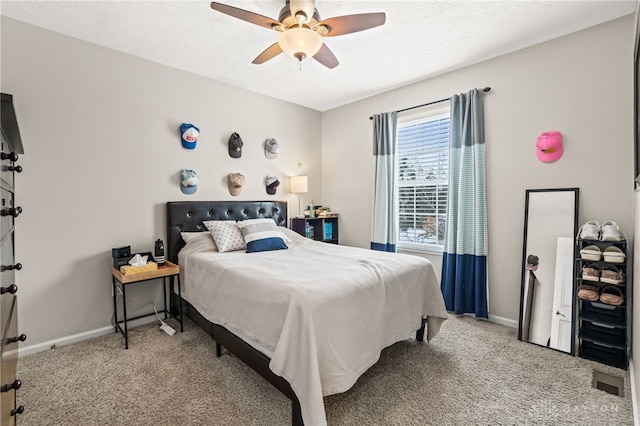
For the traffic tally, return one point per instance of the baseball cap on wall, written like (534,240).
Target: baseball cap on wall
(188,181)
(236,182)
(235,146)
(549,146)
(272,184)
(271,148)
(189,135)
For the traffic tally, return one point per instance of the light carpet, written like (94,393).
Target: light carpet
(473,372)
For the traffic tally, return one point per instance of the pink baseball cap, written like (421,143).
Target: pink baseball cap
(549,146)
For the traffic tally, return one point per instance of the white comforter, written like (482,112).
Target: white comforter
(321,312)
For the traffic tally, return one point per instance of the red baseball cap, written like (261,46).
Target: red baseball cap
(549,146)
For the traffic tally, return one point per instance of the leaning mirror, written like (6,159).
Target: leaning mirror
(547,308)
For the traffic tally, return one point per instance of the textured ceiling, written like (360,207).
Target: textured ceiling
(420,39)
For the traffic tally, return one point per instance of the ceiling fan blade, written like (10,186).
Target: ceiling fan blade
(347,24)
(268,53)
(245,15)
(326,57)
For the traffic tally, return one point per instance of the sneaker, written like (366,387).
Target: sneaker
(611,232)
(590,230)
(611,275)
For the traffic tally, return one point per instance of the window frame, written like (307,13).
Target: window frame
(433,112)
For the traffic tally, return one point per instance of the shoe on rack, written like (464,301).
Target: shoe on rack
(611,232)
(591,273)
(588,292)
(613,254)
(611,295)
(611,275)
(590,230)
(590,253)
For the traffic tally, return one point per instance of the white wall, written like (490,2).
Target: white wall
(103,155)
(580,85)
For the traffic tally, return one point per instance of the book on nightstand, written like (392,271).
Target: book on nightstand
(328,230)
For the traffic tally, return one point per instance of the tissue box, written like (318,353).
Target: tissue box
(128,269)
(120,261)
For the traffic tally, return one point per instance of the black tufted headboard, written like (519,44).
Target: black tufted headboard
(187,216)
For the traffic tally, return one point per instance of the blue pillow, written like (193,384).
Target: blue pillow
(261,235)
(266,244)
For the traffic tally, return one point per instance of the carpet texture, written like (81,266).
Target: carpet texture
(473,372)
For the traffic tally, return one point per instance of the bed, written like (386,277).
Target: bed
(310,319)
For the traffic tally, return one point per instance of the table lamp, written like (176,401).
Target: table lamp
(299,185)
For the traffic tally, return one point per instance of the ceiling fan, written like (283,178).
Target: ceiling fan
(301,30)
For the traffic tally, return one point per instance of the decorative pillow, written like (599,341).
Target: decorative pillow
(226,235)
(188,236)
(261,235)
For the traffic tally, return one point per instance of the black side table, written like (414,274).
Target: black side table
(168,270)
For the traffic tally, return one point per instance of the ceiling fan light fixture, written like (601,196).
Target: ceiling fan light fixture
(302,7)
(300,42)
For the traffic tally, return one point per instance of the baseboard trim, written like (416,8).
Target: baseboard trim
(67,340)
(634,401)
(503,321)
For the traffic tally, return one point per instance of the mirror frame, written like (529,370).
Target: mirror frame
(523,276)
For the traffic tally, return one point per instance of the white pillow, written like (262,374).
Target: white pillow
(226,235)
(261,235)
(188,236)
(198,242)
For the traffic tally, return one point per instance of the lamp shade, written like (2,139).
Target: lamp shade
(300,42)
(299,184)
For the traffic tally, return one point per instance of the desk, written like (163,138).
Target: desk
(168,270)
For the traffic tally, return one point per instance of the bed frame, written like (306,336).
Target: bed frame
(187,216)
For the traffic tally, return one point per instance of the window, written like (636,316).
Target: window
(423,178)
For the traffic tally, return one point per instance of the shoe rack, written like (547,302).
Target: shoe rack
(602,323)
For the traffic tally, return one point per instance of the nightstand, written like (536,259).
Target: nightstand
(168,270)
(317,228)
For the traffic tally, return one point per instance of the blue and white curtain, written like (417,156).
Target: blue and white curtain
(383,235)
(464,267)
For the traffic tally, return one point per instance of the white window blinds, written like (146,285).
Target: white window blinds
(423,173)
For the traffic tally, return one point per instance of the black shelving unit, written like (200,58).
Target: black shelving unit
(317,228)
(602,327)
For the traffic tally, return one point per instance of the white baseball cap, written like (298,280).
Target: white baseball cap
(271,148)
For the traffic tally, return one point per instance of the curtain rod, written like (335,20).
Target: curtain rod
(486,89)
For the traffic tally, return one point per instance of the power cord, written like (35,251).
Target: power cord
(163,325)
